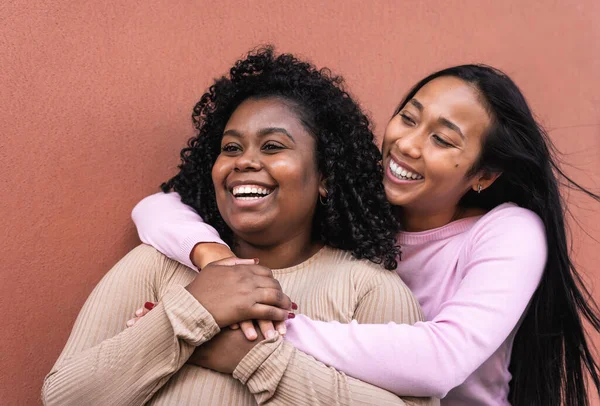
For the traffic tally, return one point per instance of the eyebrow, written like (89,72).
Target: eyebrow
(262,132)
(443,121)
(449,124)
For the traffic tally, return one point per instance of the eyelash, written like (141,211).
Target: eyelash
(270,146)
(441,142)
(436,138)
(406,118)
(230,148)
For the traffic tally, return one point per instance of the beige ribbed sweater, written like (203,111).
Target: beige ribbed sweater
(104,363)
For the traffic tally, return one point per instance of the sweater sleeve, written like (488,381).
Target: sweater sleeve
(506,259)
(278,374)
(105,364)
(172,227)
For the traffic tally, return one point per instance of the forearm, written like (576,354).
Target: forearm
(278,374)
(172,227)
(131,366)
(204,253)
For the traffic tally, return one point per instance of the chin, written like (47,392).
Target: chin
(394,197)
(245,227)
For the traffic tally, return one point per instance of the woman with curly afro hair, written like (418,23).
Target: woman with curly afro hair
(354,215)
(269,170)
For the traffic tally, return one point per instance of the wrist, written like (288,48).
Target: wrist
(204,253)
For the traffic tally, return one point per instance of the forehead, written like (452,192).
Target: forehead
(455,100)
(253,115)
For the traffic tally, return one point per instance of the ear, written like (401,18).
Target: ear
(484,180)
(323,187)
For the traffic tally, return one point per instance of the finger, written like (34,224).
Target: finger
(267,328)
(273,297)
(266,282)
(235,326)
(249,330)
(280,327)
(141,312)
(261,311)
(260,270)
(230,261)
(131,322)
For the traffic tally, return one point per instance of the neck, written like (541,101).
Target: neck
(417,220)
(283,254)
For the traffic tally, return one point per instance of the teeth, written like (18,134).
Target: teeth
(238,190)
(402,173)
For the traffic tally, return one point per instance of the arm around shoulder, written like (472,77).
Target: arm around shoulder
(171,226)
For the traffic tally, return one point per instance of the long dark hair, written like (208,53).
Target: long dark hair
(356,215)
(550,353)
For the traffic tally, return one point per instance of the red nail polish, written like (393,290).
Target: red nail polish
(149,305)
(291,315)
(294,306)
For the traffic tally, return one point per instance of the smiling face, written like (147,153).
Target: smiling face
(266,178)
(430,146)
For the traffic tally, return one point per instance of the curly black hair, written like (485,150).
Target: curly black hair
(356,216)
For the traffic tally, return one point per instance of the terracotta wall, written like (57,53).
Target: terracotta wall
(96,96)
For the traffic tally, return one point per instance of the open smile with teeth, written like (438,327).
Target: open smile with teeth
(403,173)
(250,192)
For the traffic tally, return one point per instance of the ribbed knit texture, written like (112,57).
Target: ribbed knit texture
(104,363)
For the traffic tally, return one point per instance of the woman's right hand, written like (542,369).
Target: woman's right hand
(234,290)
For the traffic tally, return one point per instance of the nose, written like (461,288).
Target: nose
(248,161)
(410,144)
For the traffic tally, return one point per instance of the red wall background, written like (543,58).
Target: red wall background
(96,97)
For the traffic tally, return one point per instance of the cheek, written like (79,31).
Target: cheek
(219,171)
(295,176)
(392,133)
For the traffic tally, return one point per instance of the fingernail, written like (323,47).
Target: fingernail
(129,323)
(139,311)
(255,261)
(291,315)
(270,333)
(149,305)
(294,306)
(282,330)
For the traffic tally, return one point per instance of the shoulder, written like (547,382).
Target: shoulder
(509,235)
(509,222)
(513,214)
(149,261)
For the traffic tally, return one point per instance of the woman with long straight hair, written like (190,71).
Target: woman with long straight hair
(475,184)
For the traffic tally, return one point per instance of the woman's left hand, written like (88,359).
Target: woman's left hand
(224,352)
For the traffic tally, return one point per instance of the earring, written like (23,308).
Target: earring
(324,203)
(478,189)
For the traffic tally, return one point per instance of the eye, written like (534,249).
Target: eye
(407,119)
(231,148)
(438,140)
(272,146)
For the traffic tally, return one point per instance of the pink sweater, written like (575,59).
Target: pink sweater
(473,278)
